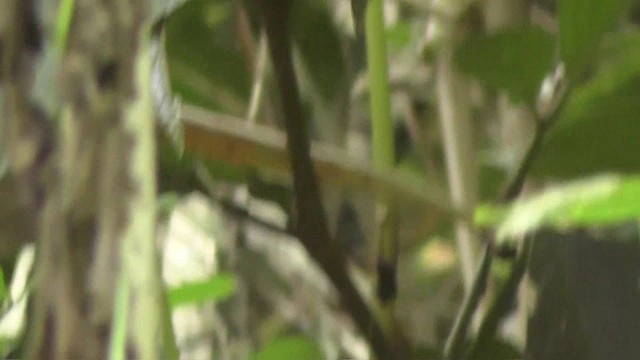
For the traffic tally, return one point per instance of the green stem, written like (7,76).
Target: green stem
(383,157)
(383,149)
(117,347)
(63,24)
(482,346)
(455,342)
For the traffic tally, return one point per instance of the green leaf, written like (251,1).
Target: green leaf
(289,347)
(515,60)
(597,130)
(596,201)
(216,288)
(582,24)
(63,23)
(602,138)
(4,292)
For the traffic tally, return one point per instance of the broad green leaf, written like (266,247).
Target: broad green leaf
(619,64)
(215,288)
(515,60)
(289,347)
(582,23)
(596,201)
(602,136)
(597,130)
(620,48)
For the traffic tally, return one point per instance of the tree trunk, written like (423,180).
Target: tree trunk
(77,133)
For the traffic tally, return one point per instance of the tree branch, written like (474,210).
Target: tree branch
(481,348)
(311,224)
(229,139)
(454,346)
(499,308)
(515,185)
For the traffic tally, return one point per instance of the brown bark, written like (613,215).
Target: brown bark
(70,151)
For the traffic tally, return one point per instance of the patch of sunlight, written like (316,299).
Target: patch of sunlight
(528,215)
(12,323)
(190,255)
(437,255)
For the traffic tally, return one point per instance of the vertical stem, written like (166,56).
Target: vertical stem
(383,150)
(383,155)
(457,130)
(454,345)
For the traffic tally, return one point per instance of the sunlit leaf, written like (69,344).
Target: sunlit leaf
(582,23)
(290,347)
(216,288)
(596,201)
(515,60)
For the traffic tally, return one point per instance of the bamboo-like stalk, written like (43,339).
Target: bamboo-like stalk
(457,131)
(383,150)
(383,157)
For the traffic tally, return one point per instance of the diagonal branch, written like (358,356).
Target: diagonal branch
(225,138)
(311,224)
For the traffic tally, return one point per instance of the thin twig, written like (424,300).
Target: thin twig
(545,118)
(515,185)
(481,348)
(500,307)
(455,341)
